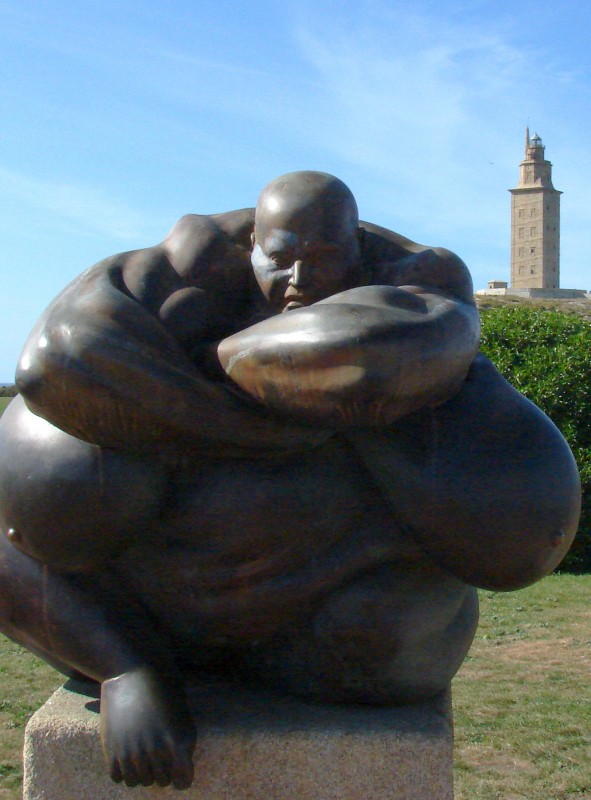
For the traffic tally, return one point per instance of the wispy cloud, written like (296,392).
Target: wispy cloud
(91,209)
(430,110)
(417,95)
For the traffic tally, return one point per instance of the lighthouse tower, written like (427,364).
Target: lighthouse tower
(535,222)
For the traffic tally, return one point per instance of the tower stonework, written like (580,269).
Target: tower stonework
(535,222)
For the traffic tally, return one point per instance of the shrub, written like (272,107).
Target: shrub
(545,354)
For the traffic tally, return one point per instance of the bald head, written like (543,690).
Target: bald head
(306,242)
(307,201)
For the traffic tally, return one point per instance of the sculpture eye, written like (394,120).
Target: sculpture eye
(280,260)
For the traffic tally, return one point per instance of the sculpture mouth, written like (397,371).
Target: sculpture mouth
(292,304)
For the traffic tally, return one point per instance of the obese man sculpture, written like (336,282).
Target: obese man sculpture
(267,448)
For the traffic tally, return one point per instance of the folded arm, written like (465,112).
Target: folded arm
(485,484)
(363,357)
(109,362)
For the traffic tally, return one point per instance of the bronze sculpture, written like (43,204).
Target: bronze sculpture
(267,448)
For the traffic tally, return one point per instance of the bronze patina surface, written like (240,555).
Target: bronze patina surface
(267,448)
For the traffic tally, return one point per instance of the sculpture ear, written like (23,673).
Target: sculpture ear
(361,237)
(252,239)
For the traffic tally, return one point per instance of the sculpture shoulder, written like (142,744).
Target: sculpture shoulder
(199,275)
(382,242)
(212,251)
(395,260)
(197,234)
(237,225)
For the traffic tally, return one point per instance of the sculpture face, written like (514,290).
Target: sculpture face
(306,240)
(295,270)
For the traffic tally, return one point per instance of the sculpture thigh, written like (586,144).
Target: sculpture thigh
(68,503)
(396,634)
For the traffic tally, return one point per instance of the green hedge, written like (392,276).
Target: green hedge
(546,355)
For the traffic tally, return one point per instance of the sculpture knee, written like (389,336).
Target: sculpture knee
(69,503)
(388,639)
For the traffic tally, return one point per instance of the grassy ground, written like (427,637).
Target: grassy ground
(4,401)
(25,684)
(521,700)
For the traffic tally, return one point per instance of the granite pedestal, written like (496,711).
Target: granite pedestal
(255,746)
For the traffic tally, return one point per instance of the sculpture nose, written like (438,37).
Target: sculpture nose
(299,274)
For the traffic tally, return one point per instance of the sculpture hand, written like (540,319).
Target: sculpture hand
(147,732)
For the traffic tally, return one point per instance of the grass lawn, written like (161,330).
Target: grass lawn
(521,699)
(25,683)
(4,401)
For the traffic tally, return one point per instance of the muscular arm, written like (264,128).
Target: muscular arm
(485,483)
(110,363)
(366,356)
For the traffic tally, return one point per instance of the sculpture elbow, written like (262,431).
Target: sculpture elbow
(514,553)
(453,275)
(512,537)
(531,567)
(32,367)
(48,364)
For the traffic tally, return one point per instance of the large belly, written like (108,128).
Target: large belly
(249,544)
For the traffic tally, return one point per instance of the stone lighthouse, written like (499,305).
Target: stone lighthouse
(535,222)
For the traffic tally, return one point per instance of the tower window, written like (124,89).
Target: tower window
(532,231)
(532,212)
(533,270)
(520,233)
(532,251)
(520,213)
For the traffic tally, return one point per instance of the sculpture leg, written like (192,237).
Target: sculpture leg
(54,614)
(394,635)
(85,624)
(72,506)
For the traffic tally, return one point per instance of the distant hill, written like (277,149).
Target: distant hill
(579,305)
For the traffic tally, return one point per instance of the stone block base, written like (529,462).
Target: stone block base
(255,746)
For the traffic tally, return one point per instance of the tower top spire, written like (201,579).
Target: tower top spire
(535,221)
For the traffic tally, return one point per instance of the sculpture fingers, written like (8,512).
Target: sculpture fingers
(183,768)
(129,772)
(161,769)
(115,771)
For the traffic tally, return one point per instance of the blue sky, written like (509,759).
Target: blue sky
(119,117)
